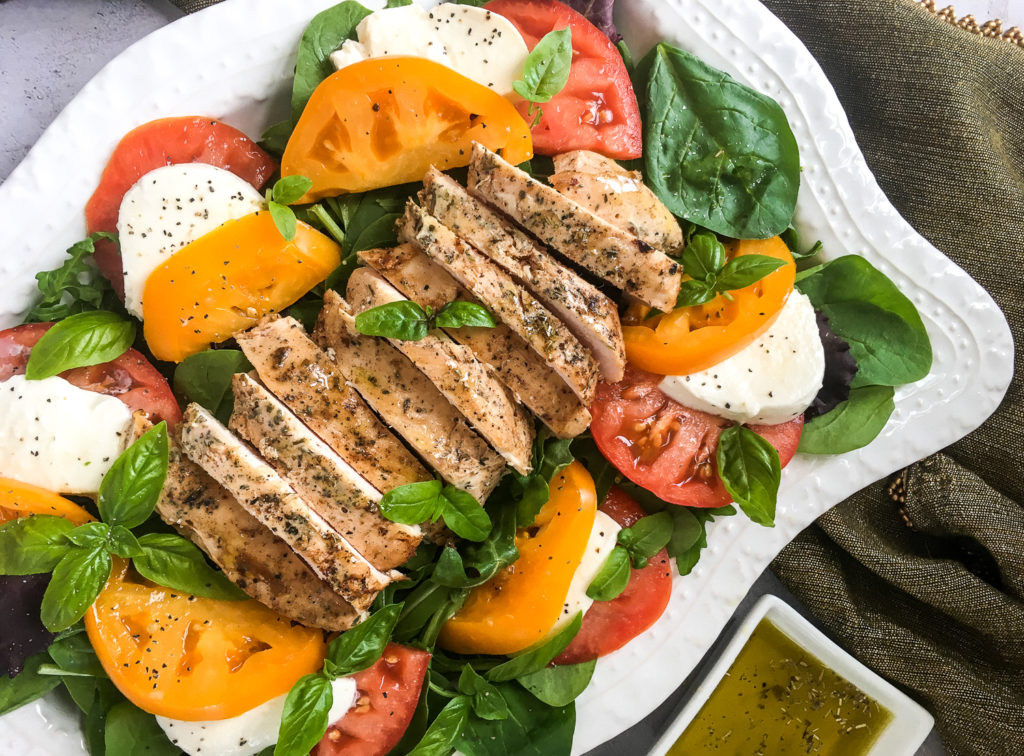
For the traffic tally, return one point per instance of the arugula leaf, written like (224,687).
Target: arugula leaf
(750,470)
(76,286)
(546,70)
(129,729)
(559,685)
(853,423)
(718,153)
(360,648)
(538,658)
(445,730)
(172,561)
(647,537)
(88,338)
(130,489)
(531,728)
(77,580)
(205,378)
(325,34)
(27,686)
(612,578)
(31,545)
(304,720)
(792,239)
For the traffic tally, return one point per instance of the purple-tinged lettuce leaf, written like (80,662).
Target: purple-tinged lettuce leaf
(840,368)
(599,13)
(21,631)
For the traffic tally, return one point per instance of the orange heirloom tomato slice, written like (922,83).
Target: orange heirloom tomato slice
(19,499)
(192,658)
(690,339)
(518,607)
(385,121)
(226,280)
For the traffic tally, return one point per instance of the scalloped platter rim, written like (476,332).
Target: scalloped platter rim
(243,74)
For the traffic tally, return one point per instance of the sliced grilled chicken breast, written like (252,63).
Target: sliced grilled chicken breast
(463,380)
(304,378)
(590,315)
(268,498)
(573,231)
(508,300)
(408,402)
(252,557)
(618,196)
(536,385)
(324,481)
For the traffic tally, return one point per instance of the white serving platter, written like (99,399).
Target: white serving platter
(234,61)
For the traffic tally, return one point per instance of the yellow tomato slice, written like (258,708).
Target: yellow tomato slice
(690,339)
(385,121)
(19,499)
(519,606)
(226,280)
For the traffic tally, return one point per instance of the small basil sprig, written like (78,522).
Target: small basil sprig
(306,709)
(88,338)
(704,262)
(612,578)
(415,503)
(407,321)
(636,545)
(545,71)
(287,191)
(749,467)
(81,557)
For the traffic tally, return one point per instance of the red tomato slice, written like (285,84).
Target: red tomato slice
(130,378)
(167,141)
(388,693)
(610,625)
(597,110)
(665,447)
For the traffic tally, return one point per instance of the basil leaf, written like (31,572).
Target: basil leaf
(486,698)
(174,562)
(686,531)
(446,728)
(692,293)
(403,320)
(559,685)
(130,489)
(76,286)
(90,534)
(749,467)
(745,270)
(88,338)
(304,720)
(32,545)
(612,578)
(703,257)
(398,3)
(289,189)
(463,514)
(717,153)
(325,34)
(687,556)
(205,378)
(77,580)
(646,537)
(360,648)
(546,69)
(538,658)
(459,314)
(412,503)
(129,729)
(884,330)
(27,686)
(853,423)
(531,728)
(73,652)
(284,218)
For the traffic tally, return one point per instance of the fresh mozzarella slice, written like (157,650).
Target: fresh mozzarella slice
(168,208)
(58,436)
(248,733)
(771,381)
(478,44)
(603,537)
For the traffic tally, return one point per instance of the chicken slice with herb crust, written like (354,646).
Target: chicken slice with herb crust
(576,233)
(408,402)
(299,374)
(268,498)
(536,385)
(324,481)
(252,557)
(590,315)
(464,381)
(620,197)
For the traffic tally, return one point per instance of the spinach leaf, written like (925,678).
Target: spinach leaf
(884,330)
(612,578)
(76,286)
(275,138)
(27,685)
(853,424)
(750,469)
(538,658)
(88,338)
(131,730)
(176,563)
(559,685)
(718,153)
(325,34)
(131,487)
(532,728)
(205,378)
